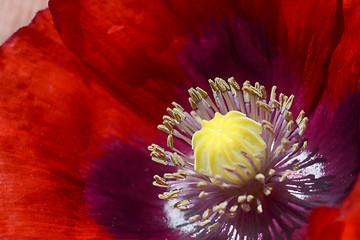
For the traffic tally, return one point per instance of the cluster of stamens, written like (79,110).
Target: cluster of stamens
(219,208)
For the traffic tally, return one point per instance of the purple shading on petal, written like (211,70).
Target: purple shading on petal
(121,197)
(236,48)
(242,49)
(335,136)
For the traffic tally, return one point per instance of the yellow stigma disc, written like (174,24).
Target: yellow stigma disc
(219,143)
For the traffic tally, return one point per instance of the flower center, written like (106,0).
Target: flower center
(242,169)
(221,142)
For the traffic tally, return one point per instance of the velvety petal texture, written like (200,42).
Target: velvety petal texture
(285,45)
(335,136)
(121,197)
(344,68)
(42,135)
(305,37)
(115,36)
(49,132)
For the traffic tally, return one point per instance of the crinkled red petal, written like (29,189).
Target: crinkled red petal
(54,116)
(127,43)
(312,31)
(344,68)
(136,43)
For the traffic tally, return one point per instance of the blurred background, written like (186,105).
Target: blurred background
(17,13)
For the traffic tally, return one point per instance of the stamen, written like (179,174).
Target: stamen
(193,104)
(288,116)
(285,175)
(260,177)
(273,100)
(203,223)
(170,195)
(158,160)
(181,204)
(160,182)
(213,226)
(170,141)
(241,199)
(295,147)
(290,125)
(267,191)
(246,207)
(304,146)
(183,172)
(300,117)
(202,184)
(203,194)
(234,208)
(249,198)
(285,143)
(207,213)
(194,218)
(176,159)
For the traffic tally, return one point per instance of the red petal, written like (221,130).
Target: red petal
(126,45)
(137,42)
(340,224)
(350,214)
(54,115)
(134,43)
(344,69)
(313,30)
(320,220)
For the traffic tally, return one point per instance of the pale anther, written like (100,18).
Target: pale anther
(241,198)
(203,223)
(202,184)
(194,218)
(260,177)
(245,207)
(285,175)
(213,226)
(181,204)
(202,194)
(249,198)
(234,208)
(285,143)
(206,213)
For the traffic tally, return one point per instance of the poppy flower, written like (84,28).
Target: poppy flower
(86,83)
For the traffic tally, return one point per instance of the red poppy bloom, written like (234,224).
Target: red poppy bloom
(86,83)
